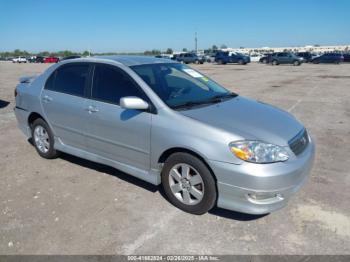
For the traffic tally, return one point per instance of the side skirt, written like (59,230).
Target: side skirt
(152,176)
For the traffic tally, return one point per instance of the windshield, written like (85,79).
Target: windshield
(178,85)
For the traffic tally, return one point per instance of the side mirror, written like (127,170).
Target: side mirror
(132,102)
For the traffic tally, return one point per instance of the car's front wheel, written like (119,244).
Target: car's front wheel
(189,184)
(43,139)
(296,63)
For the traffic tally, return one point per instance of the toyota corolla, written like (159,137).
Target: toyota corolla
(166,123)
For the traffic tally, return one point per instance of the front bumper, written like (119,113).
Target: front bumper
(261,188)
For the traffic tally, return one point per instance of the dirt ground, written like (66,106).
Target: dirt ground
(72,206)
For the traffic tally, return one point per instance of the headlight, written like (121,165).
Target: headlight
(258,152)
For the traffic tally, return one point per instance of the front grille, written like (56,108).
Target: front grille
(298,143)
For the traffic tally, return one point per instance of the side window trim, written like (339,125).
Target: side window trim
(152,108)
(54,74)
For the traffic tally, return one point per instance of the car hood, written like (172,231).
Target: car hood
(249,119)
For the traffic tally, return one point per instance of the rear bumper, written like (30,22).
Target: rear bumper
(22,121)
(261,188)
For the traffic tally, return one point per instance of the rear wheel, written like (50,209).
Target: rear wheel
(43,139)
(274,62)
(240,61)
(188,183)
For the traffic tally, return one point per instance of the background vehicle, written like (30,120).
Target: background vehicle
(188,58)
(346,57)
(334,58)
(285,58)
(255,57)
(51,59)
(166,56)
(307,56)
(224,57)
(265,59)
(19,59)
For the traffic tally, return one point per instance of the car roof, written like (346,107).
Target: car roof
(129,60)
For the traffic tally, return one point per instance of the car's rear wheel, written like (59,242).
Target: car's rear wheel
(240,61)
(43,139)
(274,62)
(188,183)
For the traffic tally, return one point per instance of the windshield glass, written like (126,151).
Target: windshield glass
(178,85)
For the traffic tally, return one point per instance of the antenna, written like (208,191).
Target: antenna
(195,42)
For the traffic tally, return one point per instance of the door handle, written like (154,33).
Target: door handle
(47,98)
(92,109)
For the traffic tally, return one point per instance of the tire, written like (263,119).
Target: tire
(197,198)
(264,61)
(41,132)
(296,63)
(220,62)
(241,62)
(274,62)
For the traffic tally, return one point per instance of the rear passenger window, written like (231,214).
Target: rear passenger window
(70,79)
(110,84)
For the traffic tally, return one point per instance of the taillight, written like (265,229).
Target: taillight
(16,92)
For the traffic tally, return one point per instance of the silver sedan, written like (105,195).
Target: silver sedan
(165,123)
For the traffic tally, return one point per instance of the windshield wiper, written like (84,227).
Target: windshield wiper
(212,100)
(224,96)
(190,104)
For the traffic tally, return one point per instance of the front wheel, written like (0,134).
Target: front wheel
(274,62)
(43,139)
(296,63)
(188,183)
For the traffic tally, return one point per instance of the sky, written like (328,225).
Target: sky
(138,25)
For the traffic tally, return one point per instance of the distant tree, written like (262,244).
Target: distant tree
(184,49)
(214,47)
(169,51)
(223,46)
(86,53)
(44,53)
(153,52)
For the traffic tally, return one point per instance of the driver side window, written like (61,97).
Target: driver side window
(111,83)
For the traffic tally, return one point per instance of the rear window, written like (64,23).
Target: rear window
(69,79)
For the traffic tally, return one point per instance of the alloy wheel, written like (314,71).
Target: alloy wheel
(186,184)
(41,139)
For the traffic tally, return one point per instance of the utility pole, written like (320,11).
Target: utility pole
(195,42)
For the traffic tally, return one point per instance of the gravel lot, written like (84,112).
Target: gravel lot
(72,206)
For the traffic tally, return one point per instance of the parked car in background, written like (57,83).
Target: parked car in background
(51,59)
(225,57)
(285,58)
(255,57)
(346,57)
(188,58)
(19,59)
(166,56)
(333,58)
(174,57)
(70,57)
(307,56)
(265,59)
(168,124)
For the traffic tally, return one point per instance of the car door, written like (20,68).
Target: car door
(115,133)
(64,100)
